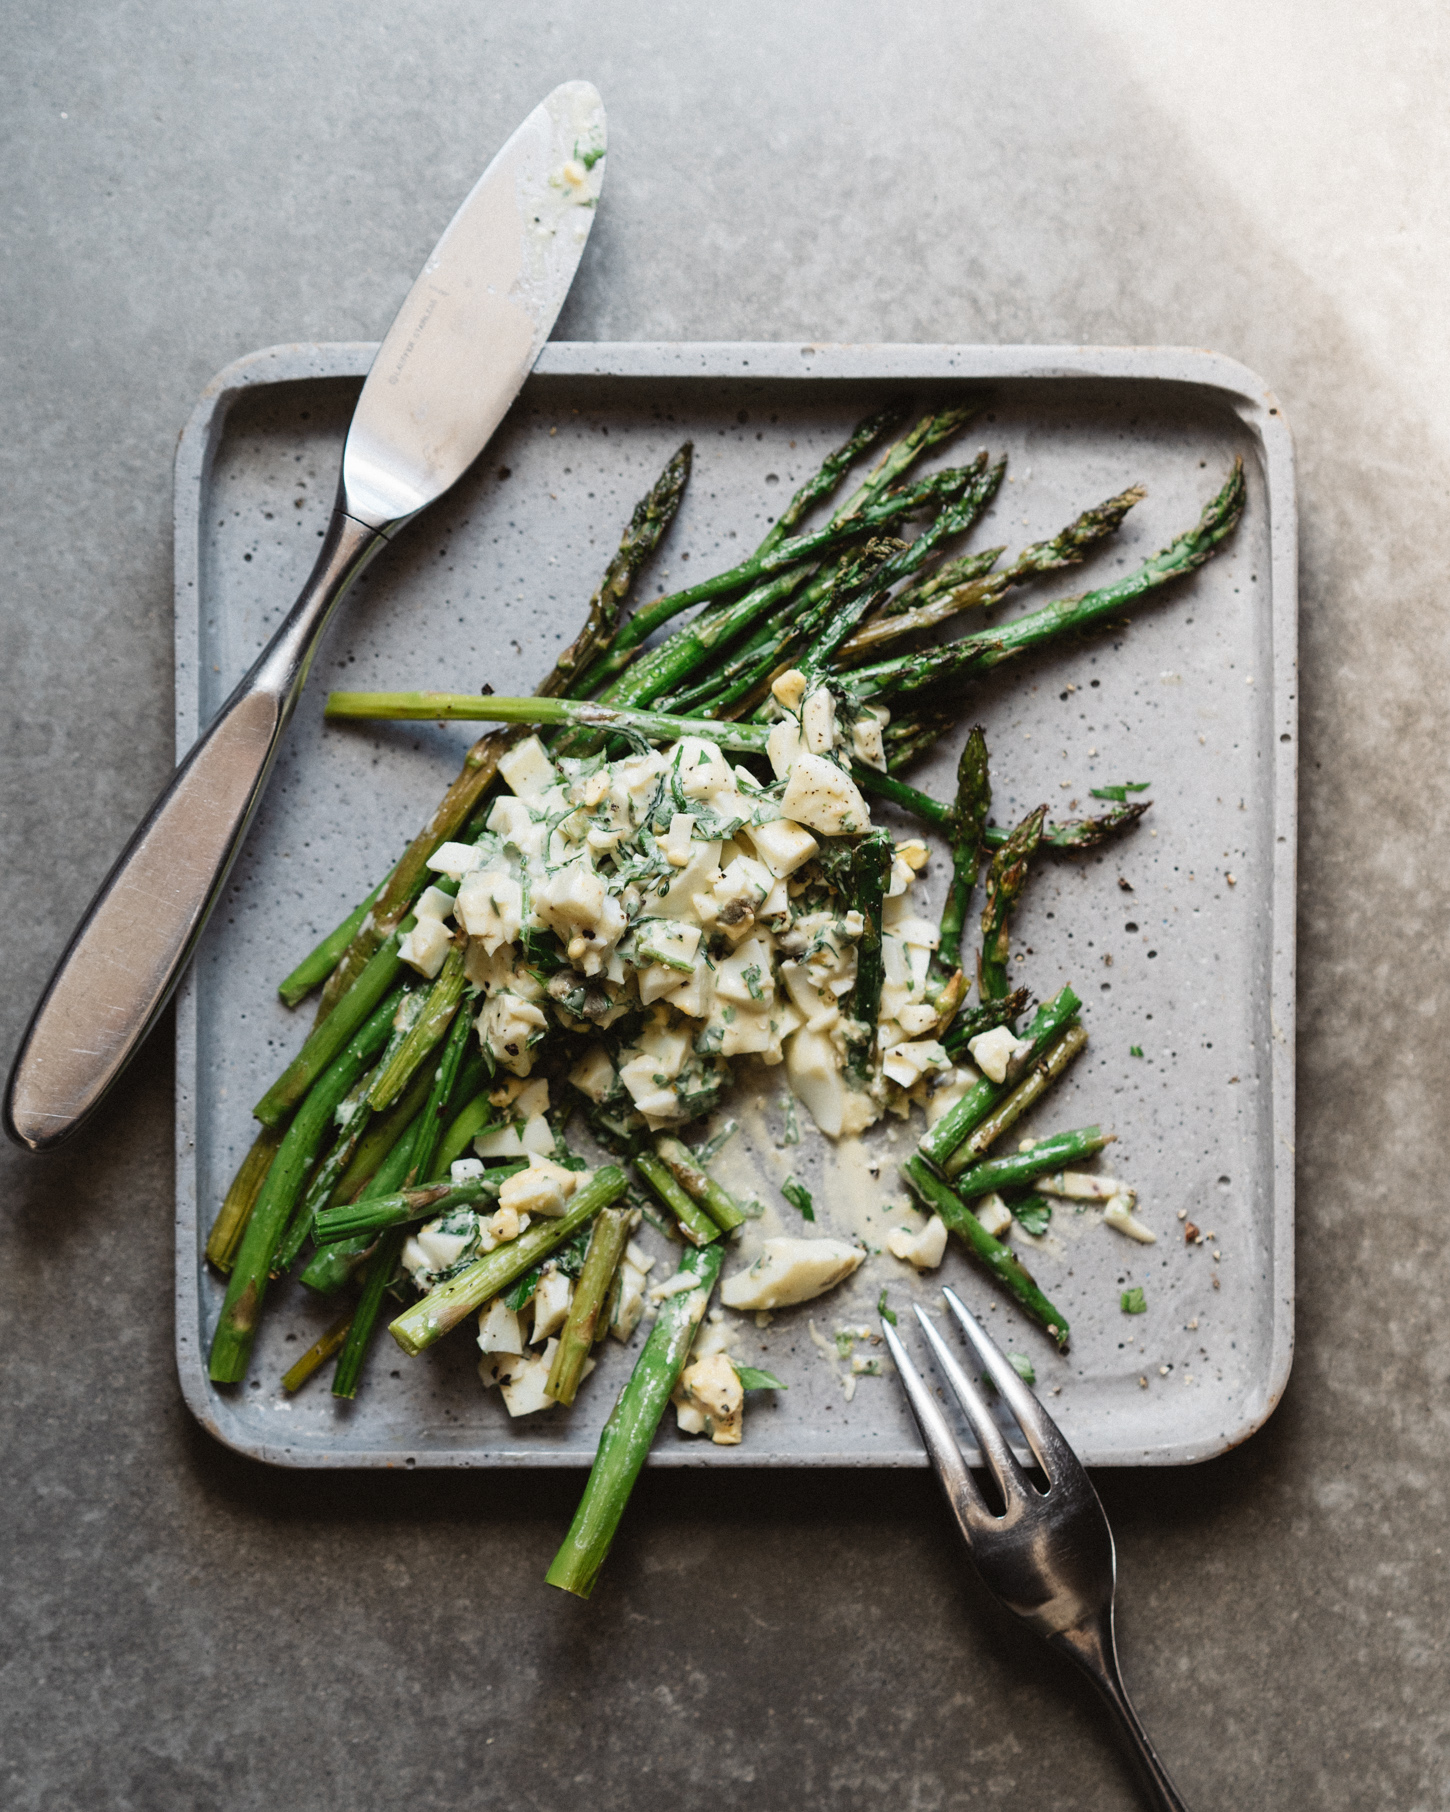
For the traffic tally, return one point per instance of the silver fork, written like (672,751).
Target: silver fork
(1049,1556)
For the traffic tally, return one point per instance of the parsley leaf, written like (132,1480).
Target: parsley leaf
(1119,794)
(1032,1214)
(1134,1302)
(799,1197)
(754,1377)
(885,1313)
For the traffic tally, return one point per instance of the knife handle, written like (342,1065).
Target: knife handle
(128,952)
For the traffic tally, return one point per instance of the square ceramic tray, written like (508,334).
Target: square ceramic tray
(1179,937)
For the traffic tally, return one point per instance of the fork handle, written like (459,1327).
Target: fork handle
(127,954)
(1093,1645)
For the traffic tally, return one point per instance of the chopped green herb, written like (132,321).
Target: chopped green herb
(1023,1367)
(1134,1302)
(712,1148)
(799,1197)
(845,1340)
(569,1258)
(1032,1214)
(1119,794)
(754,1377)
(882,1310)
(751,977)
(1135,1050)
(792,1134)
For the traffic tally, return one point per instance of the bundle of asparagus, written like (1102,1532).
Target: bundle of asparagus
(630,919)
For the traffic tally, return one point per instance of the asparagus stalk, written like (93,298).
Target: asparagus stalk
(931,431)
(654,725)
(974,656)
(911,799)
(441,1309)
(870,876)
(327,1039)
(913,732)
(480,765)
(1034,1085)
(882,507)
(1052,1153)
(695,1224)
(1072,834)
(437,1015)
(657,674)
(688,1169)
(236,1210)
(1006,877)
(381,1139)
(320,962)
(377,1277)
(231,1345)
(833,469)
(968,821)
(352,1119)
(945,577)
(332,1265)
(773,648)
(1068,548)
(938,1197)
(968,1113)
(422,1166)
(464,1128)
(982,1018)
(317,1354)
(652,516)
(1077,833)
(591,1292)
(423,1202)
(625,1442)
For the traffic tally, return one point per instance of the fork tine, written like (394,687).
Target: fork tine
(941,1444)
(1044,1437)
(1011,1480)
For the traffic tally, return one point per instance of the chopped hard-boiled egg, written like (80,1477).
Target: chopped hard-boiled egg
(790,1271)
(994,1215)
(824,798)
(544,1188)
(426,946)
(709,1400)
(1119,1215)
(923,1249)
(996,1051)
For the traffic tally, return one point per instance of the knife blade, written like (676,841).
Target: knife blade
(452,362)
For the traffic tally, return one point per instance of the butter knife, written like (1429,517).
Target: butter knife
(452,362)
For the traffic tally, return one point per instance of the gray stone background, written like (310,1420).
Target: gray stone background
(183,1630)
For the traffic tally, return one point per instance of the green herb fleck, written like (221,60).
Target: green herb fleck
(882,1310)
(751,978)
(792,1134)
(845,1339)
(1119,794)
(1134,1302)
(799,1197)
(569,1258)
(754,1377)
(712,1148)
(1135,1050)
(1023,1367)
(1032,1214)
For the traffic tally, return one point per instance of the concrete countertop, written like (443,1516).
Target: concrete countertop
(186,1630)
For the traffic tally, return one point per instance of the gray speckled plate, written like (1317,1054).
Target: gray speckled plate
(1180,937)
